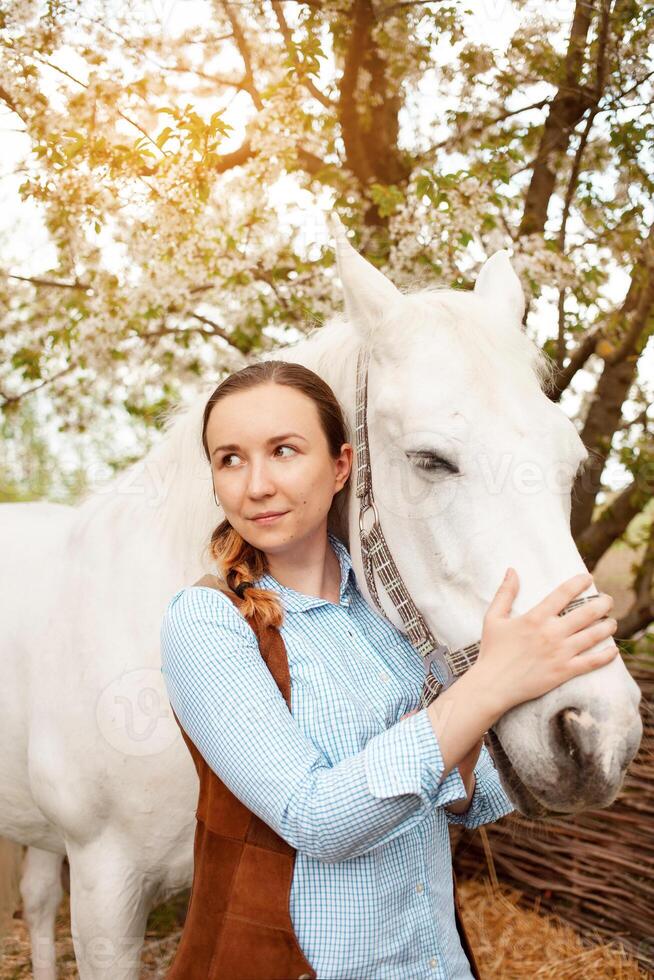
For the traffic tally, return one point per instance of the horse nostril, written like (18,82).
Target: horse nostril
(576,732)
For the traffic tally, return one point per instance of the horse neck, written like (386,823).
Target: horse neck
(163,504)
(188,514)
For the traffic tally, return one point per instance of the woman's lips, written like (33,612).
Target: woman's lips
(269,520)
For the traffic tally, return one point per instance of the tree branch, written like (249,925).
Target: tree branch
(624,329)
(576,164)
(287,34)
(576,362)
(567,108)
(234,159)
(50,283)
(307,160)
(639,303)
(614,520)
(474,128)
(641,613)
(237,83)
(13,399)
(244,51)
(216,330)
(9,102)
(641,419)
(119,112)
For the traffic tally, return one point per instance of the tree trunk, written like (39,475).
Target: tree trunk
(627,331)
(567,108)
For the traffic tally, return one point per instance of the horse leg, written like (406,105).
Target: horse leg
(110,898)
(41,892)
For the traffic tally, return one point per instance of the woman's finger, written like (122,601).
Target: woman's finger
(585,639)
(585,615)
(585,662)
(557,600)
(502,601)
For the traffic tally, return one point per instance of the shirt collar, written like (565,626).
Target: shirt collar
(294,601)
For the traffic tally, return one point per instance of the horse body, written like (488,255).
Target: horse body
(33,537)
(93,765)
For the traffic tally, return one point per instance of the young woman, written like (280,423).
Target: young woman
(354,778)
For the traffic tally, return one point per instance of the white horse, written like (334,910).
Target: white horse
(472,468)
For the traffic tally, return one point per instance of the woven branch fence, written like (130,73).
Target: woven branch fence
(594,869)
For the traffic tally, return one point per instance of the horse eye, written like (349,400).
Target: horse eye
(432,462)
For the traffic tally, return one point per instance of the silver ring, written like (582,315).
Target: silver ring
(366,507)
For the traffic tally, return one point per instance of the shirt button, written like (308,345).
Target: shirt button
(433,962)
(384,677)
(420,887)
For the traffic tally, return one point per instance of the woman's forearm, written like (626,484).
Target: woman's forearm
(460,806)
(463,713)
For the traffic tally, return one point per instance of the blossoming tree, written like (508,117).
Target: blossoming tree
(183,178)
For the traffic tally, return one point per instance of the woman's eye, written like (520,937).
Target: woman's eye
(224,459)
(432,462)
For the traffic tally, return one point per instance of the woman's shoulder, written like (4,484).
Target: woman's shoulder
(203,604)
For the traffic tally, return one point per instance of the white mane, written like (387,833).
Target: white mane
(330,350)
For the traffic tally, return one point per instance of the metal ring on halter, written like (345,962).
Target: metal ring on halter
(366,506)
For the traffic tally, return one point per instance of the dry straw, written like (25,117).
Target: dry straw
(512,942)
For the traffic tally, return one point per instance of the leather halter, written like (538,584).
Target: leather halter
(376,557)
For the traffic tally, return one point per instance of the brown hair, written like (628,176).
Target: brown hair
(239,561)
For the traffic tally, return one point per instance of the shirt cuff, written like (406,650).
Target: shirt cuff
(489,801)
(406,759)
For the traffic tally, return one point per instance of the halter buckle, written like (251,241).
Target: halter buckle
(367,505)
(440,655)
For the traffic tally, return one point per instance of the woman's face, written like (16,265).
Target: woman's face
(269,453)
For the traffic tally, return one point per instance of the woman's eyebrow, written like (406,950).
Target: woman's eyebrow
(233,447)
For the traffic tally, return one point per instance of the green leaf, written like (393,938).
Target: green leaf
(387,198)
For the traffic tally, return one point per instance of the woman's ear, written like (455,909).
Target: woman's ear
(344,465)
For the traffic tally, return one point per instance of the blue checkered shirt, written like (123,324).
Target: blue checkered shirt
(358,793)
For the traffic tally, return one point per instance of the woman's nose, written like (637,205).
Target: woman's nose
(260,481)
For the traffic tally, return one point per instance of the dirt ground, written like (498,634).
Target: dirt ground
(510,943)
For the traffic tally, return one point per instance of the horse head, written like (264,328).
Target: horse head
(472,471)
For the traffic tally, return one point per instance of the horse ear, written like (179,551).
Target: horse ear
(498,284)
(368,293)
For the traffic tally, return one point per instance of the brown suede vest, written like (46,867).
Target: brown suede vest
(238,925)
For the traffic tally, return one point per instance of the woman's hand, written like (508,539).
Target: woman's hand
(520,658)
(525,656)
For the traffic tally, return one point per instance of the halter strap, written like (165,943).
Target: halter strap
(377,558)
